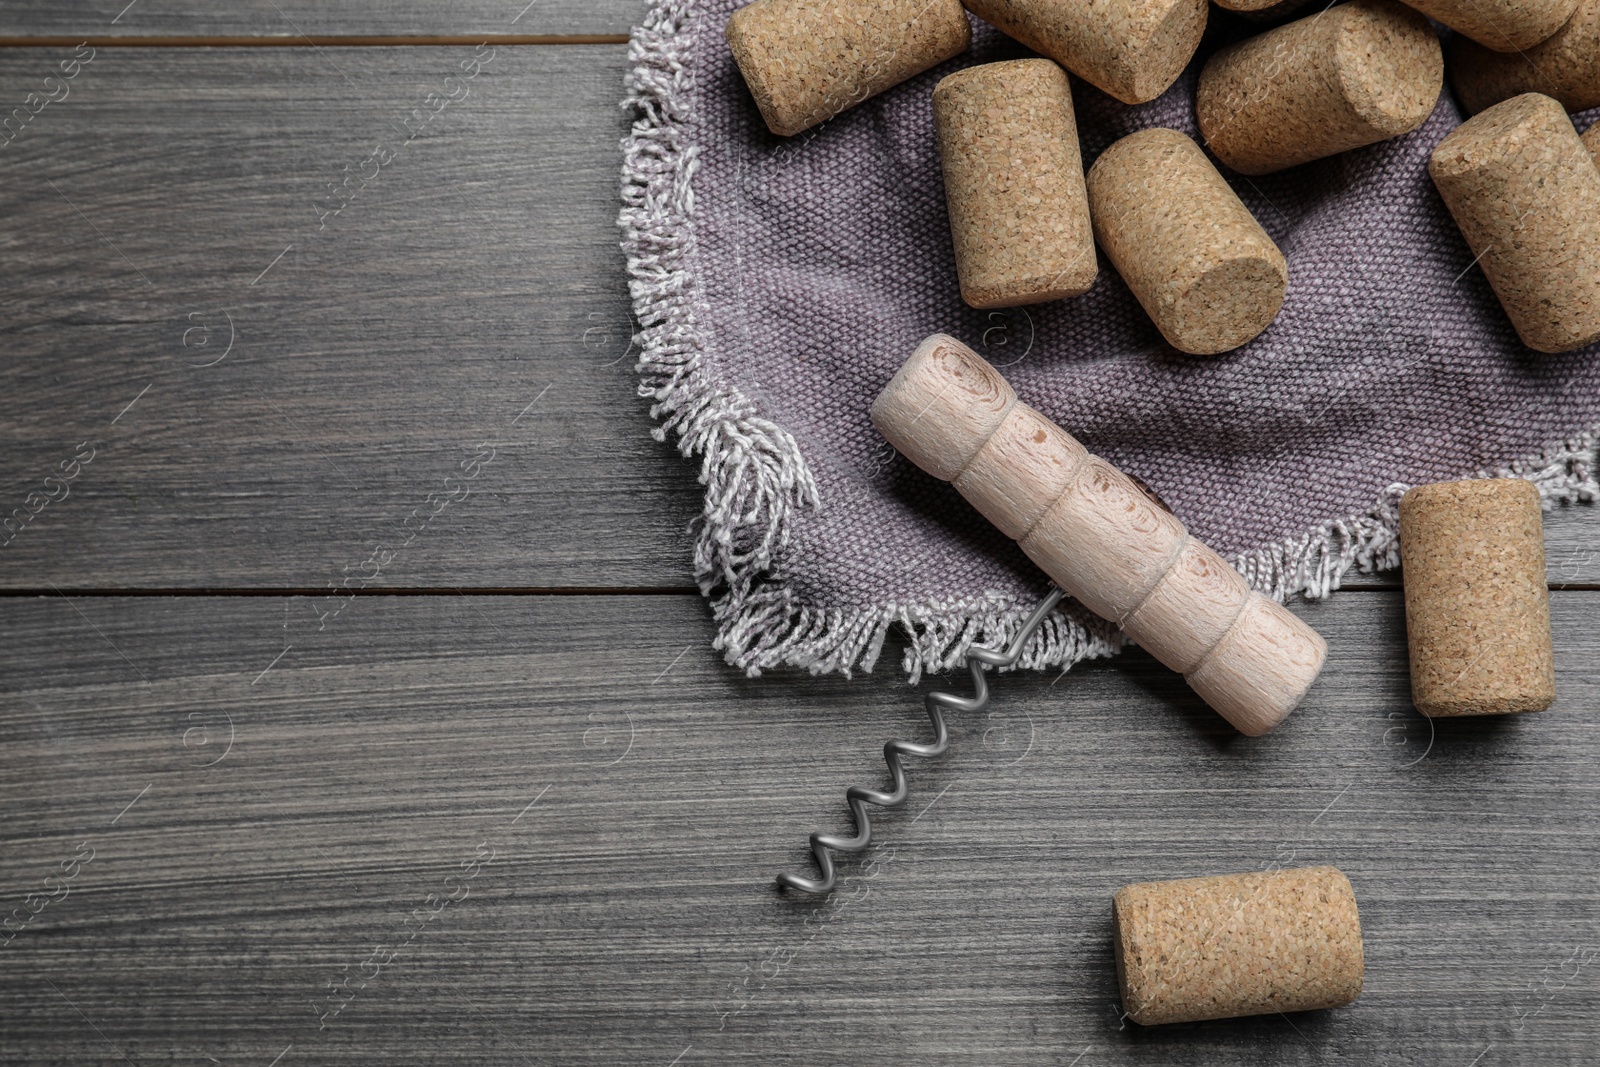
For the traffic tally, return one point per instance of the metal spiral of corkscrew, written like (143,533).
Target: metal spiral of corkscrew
(979,660)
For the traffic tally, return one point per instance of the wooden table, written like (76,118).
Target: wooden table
(505,804)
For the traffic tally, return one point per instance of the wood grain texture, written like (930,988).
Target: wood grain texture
(627,914)
(1102,537)
(476,270)
(301,17)
(279,792)
(470,291)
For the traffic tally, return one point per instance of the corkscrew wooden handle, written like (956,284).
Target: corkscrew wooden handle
(1098,535)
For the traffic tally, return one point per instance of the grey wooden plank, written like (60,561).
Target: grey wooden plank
(627,914)
(472,291)
(1572,545)
(309,17)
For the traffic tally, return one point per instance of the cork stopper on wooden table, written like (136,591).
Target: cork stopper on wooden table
(1237,944)
(1477,603)
(1132,49)
(1502,25)
(1566,67)
(1098,535)
(1203,268)
(1526,194)
(1336,80)
(808,60)
(1013,181)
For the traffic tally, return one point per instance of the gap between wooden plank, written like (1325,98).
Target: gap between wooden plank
(313,591)
(576,590)
(317,40)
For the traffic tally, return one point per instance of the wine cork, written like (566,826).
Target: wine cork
(1237,944)
(1340,79)
(1591,141)
(1099,535)
(1013,180)
(1566,67)
(1526,194)
(1203,268)
(1477,606)
(807,60)
(1132,49)
(1263,10)
(1246,6)
(1501,25)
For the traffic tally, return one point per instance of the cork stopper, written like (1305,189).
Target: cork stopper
(1340,79)
(1099,534)
(1132,49)
(1203,268)
(1477,606)
(1237,944)
(1526,194)
(1591,141)
(807,60)
(1013,180)
(1501,25)
(1566,67)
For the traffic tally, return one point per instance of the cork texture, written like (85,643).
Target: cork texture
(1340,79)
(1477,603)
(1132,49)
(1013,181)
(1196,259)
(807,60)
(1502,25)
(1566,67)
(1591,141)
(1526,194)
(1237,944)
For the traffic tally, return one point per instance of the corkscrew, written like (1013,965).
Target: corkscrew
(979,660)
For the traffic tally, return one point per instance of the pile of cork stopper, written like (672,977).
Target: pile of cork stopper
(1026,222)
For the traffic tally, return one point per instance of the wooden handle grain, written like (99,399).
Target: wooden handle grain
(1098,535)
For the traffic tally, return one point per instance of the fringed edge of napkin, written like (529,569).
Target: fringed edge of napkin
(1315,564)
(756,477)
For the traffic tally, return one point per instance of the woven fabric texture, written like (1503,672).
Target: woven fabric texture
(779,283)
